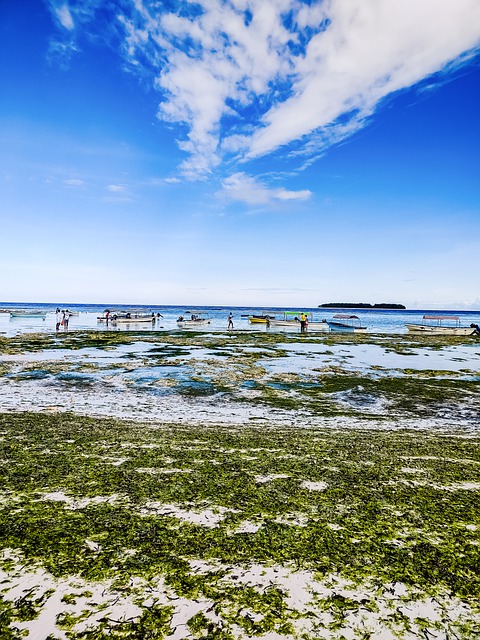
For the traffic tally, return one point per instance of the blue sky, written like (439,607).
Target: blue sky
(240,152)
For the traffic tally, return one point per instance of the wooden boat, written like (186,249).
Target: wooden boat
(347,323)
(196,319)
(28,314)
(263,318)
(291,319)
(132,318)
(438,328)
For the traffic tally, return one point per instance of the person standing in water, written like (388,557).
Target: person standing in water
(230,321)
(58,318)
(66,318)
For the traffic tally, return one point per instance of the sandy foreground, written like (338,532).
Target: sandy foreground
(230,488)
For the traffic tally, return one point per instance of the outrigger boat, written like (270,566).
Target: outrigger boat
(440,329)
(291,319)
(263,318)
(196,319)
(28,314)
(346,322)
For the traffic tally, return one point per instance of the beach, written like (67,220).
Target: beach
(239,484)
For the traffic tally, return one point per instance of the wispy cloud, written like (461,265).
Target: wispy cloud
(250,190)
(65,17)
(117,188)
(245,78)
(74,182)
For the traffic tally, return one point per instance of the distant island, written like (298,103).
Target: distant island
(361,305)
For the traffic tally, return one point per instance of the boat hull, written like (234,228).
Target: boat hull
(149,319)
(192,323)
(19,314)
(346,328)
(439,331)
(285,323)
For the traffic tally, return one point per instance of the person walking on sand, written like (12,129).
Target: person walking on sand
(58,319)
(230,321)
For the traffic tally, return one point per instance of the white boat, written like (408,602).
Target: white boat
(195,319)
(347,323)
(28,314)
(291,319)
(132,318)
(436,327)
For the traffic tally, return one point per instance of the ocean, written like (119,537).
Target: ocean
(376,321)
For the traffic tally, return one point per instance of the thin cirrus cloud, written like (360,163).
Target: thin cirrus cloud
(245,188)
(246,78)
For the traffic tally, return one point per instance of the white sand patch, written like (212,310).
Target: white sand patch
(411,470)
(81,503)
(248,527)
(471,527)
(335,527)
(205,517)
(371,611)
(158,470)
(270,477)
(314,486)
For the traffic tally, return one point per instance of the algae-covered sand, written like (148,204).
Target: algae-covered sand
(262,486)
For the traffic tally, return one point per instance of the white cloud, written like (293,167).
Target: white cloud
(74,182)
(369,51)
(117,188)
(65,17)
(244,78)
(248,189)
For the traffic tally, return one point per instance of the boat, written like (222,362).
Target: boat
(438,328)
(291,319)
(346,322)
(132,318)
(263,318)
(196,319)
(28,314)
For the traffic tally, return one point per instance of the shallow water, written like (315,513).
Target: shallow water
(375,320)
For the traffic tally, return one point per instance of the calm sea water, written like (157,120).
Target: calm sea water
(376,321)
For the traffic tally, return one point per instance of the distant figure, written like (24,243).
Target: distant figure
(66,318)
(476,328)
(303,320)
(180,319)
(107,316)
(230,321)
(58,319)
(267,321)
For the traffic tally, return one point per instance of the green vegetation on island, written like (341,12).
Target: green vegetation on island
(361,305)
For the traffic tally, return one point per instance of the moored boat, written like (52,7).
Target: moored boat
(263,318)
(132,318)
(196,319)
(347,323)
(436,327)
(28,314)
(292,320)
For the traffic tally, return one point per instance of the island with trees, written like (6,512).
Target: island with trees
(361,305)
